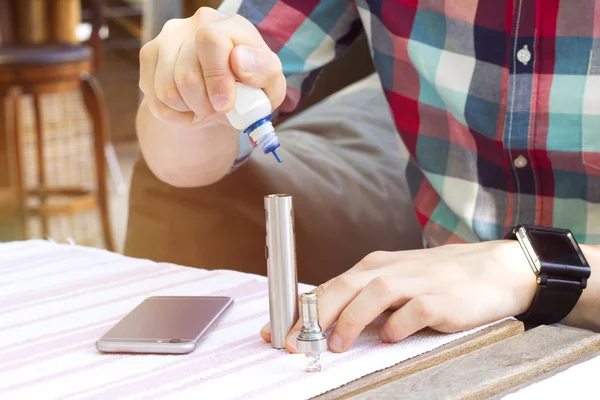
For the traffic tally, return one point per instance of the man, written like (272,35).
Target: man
(496,102)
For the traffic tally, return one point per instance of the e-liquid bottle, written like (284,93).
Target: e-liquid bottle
(252,114)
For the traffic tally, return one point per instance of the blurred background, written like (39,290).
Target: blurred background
(69,94)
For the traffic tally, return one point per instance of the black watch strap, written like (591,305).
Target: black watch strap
(554,298)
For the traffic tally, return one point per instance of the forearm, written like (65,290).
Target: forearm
(586,313)
(192,156)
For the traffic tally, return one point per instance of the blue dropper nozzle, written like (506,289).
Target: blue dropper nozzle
(276,156)
(270,144)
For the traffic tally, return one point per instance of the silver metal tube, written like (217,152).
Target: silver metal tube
(281,267)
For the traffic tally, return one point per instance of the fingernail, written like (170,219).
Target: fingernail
(247,59)
(266,330)
(384,337)
(219,102)
(335,343)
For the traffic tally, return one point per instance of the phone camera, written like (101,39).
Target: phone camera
(175,340)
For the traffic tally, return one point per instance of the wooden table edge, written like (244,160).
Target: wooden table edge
(546,375)
(495,369)
(459,347)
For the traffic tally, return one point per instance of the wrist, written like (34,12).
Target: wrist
(186,156)
(562,274)
(520,278)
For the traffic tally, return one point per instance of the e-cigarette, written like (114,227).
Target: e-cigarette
(281,267)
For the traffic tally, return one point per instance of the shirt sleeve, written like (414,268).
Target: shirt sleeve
(306,35)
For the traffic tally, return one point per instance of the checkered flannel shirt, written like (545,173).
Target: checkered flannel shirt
(496,101)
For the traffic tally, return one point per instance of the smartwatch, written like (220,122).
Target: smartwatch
(561,270)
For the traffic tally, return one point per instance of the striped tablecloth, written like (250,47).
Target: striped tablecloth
(56,300)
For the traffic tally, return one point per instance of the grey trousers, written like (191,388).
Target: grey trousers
(345,169)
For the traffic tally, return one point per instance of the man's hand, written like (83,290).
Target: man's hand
(450,288)
(188,72)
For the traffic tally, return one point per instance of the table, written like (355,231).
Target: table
(502,368)
(55,300)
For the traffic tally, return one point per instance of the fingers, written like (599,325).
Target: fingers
(377,259)
(340,291)
(158,61)
(337,293)
(381,293)
(164,86)
(188,79)
(213,47)
(214,43)
(332,302)
(357,297)
(186,73)
(422,311)
(253,63)
(265,332)
(148,66)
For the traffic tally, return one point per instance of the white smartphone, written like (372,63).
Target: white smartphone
(165,325)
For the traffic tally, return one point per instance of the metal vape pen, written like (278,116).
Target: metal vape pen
(281,267)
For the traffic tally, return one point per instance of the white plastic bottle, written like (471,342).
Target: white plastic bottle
(252,114)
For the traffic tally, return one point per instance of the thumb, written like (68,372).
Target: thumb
(254,65)
(290,343)
(265,332)
(261,68)
(290,340)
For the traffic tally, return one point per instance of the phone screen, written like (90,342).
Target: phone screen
(169,319)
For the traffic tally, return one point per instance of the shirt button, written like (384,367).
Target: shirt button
(524,55)
(520,162)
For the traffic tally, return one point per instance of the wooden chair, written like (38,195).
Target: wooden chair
(36,69)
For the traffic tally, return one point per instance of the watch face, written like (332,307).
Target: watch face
(556,248)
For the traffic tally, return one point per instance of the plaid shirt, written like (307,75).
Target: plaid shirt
(496,101)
